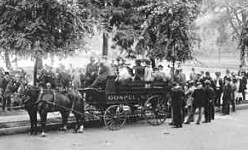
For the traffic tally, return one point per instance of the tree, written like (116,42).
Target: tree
(238,18)
(114,14)
(38,27)
(160,28)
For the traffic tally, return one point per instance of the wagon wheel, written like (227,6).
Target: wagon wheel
(156,110)
(114,117)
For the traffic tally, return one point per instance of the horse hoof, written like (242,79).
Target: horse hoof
(81,129)
(75,131)
(43,134)
(63,129)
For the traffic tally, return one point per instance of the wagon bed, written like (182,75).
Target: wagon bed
(120,99)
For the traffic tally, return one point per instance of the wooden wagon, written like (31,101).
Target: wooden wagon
(119,100)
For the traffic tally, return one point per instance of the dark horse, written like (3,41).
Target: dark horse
(44,102)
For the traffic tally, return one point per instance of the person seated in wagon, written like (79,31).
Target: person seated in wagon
(124,73)
(138,70)
(103,73)
(159,75)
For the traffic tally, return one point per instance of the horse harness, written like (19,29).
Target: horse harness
(53,103)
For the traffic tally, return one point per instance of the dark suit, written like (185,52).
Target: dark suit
(209,107)
(218,89)
(177,97)
(199,102)
(227,97)
(242,86)
(6,98)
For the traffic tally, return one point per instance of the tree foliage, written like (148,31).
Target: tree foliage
(46,26)
(238,17)
(160,28)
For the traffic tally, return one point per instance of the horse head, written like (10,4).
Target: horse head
(28,93)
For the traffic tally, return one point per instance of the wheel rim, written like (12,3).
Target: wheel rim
(114,117)
(156,110)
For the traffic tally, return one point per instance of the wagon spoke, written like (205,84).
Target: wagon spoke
(155,112)
(114,117)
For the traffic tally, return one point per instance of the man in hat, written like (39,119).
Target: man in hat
(63,79)
(218,88)
(46,76)
(227,96)
(209,107)
(241,69)
(209,78)
(193,75)
(103,73)
(91,72)
(177,97)
(5,96)
(242,85)
(138,71)
(182,77)
(199,97)
(228,75)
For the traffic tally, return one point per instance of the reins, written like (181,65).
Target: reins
(53,103)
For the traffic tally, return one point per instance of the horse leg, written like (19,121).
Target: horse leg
(31,122)
(43,117)
(65,116)
(35,121)
(79,125)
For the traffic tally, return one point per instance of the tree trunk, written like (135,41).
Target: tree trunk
(242,56)
(105,44)
(173,70)
(35,70)
(37,66)
(7,59)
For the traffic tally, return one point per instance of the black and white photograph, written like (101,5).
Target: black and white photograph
(123,74)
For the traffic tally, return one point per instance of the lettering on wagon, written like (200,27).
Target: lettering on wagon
(124,97)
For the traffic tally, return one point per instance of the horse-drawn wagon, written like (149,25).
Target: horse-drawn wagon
(117,101)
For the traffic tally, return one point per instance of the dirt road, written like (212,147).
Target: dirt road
(224,133)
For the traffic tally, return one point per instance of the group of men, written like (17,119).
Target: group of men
(202,92)
(143,70)
(9,84)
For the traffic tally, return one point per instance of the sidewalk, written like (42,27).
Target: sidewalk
(17,122)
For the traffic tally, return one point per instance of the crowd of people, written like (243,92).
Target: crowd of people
(205,93)
(9,84)
(200,91)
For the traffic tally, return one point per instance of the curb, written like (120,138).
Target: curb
(241,106)
(55,123)
(51,126)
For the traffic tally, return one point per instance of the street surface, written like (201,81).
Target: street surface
(224,133)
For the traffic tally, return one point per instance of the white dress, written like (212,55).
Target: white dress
(148,74)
